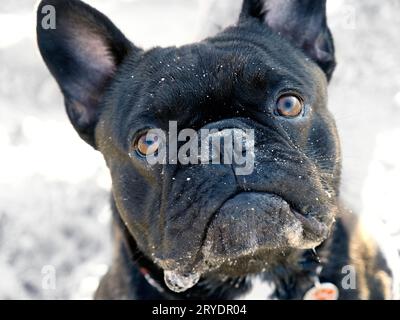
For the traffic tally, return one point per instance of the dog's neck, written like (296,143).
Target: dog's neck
(289,281)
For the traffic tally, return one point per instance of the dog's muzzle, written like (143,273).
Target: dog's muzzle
(248,225)
(251,221)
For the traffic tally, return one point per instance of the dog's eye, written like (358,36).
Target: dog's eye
(147,144)
(289,106)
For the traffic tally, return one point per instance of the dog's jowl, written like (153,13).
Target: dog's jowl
(200,230)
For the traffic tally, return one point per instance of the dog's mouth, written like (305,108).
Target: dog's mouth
(249,231)
(252,221)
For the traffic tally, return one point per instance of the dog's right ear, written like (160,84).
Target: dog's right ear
(302,22)
(82,49)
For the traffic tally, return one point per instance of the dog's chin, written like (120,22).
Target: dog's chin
(262,260)
(253,231)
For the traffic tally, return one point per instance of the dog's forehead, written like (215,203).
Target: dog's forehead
(253,57)
(218,64)
(202,72)
(179,83)
(214,70)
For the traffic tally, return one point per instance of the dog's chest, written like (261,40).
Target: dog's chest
(259,289)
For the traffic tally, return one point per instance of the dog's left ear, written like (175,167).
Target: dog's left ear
(82,49)
(302,22)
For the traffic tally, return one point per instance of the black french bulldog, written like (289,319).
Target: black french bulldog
(211,233)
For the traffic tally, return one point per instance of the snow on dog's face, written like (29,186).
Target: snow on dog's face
(267,74)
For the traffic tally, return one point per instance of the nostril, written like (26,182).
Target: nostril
(227,144)
(237,123)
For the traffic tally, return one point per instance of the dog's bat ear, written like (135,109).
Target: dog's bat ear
(302,22)
(82,49)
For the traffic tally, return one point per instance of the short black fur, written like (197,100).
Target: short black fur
(114,90)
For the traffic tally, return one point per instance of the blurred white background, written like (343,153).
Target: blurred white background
(54,215)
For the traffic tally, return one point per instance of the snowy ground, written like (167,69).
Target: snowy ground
(54,215)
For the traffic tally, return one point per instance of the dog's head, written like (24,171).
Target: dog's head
(268,73)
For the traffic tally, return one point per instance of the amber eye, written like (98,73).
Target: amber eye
(147,144)
(289,106)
